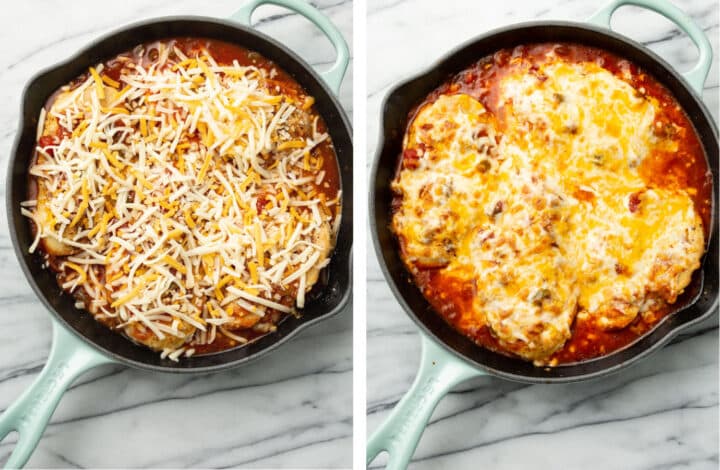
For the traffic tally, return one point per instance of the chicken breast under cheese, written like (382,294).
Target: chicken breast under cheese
(642,252)
(633,247)
(323,239)
(449,144)
(469,209)
(142,334)
(45,221)
(44,216)
(528,291)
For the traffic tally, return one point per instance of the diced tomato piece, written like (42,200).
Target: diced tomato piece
(45,141)
(262,201)
(411,159)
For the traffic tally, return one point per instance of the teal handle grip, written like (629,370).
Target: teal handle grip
(334,76)
(29,414)
(400,433)
(697,75)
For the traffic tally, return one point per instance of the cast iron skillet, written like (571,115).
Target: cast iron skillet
(448,356)
(79,342)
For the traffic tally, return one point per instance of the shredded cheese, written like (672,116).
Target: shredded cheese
(174,196)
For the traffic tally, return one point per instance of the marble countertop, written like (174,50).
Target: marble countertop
(290,409)
(661,413)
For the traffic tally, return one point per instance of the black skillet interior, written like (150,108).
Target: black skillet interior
(331,293)
(701,296)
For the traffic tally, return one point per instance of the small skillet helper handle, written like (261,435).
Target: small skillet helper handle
(30,413)
(400,433)
(697,75)
(334,76)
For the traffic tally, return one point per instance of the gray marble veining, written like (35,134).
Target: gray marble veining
(661,413)
(290,409)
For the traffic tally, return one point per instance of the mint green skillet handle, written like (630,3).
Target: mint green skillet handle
(29,414)
(334,76)
(697,75)
(399,434)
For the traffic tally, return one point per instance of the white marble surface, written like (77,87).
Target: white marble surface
(291,409)
(662,413)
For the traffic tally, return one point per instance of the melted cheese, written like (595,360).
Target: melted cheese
(542,207)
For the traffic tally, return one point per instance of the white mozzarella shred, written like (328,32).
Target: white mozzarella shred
(304,268)
(41,124)
(259,300)
(231,335)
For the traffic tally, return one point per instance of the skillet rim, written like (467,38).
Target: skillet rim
(80,55)
(383,140)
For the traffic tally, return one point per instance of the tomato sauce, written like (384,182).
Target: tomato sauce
(685,168)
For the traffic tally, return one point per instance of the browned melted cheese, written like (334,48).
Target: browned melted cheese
(524,208)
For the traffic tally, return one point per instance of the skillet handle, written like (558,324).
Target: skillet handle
(333,76)
(400,433)
(29,414)
(697,75)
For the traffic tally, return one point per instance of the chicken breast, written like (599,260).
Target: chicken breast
(50,242)
(142,334)
(323,239)
(634,272)
(450,145)
(528,290)
(43,216)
